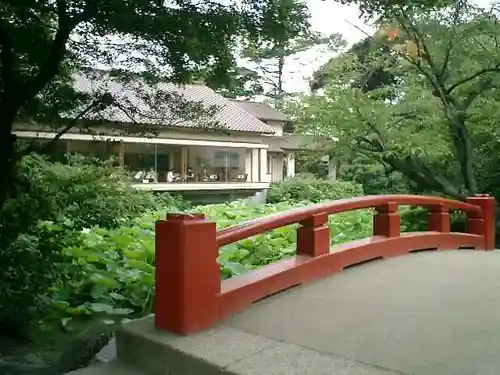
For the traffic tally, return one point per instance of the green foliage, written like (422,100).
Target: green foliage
(289,27)
(375,178)
(54,202)
(110,273)
(415,219)
(209,33)
(416,98)
(312,190)
(384,9)
(42,43)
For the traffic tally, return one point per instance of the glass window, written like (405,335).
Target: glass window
(150,163)
(139,159)
(214,164)
(171,163)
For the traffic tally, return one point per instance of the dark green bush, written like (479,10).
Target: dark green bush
(310,189)
(414,219)
(54,201)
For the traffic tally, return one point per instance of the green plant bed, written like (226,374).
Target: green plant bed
(415,219)
(312,189)
(110,273)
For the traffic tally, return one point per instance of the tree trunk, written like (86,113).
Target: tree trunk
(424,178)
(463,146)
(8,158)
(467,163)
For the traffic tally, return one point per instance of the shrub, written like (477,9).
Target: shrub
(312,190)
(54,202)
(113,270)
(415,219)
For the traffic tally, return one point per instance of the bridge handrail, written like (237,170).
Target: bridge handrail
(189,294)
(260,225)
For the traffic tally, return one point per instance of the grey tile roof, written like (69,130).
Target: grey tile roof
(262,111)
(229,117)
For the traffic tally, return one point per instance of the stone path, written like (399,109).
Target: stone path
(424,314)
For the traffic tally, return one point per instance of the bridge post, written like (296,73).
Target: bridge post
(484,225)
(439,219)
(387,222)
(313,237)
(187,274)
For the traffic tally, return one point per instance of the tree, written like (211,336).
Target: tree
(243,82)
(369,80)
(447,69)
(289,25)
(385,9)
(43,41)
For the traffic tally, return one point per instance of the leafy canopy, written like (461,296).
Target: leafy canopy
(41,39)
(425,120)
(42,42)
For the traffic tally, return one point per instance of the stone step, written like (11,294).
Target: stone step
(108,368)
(224,350)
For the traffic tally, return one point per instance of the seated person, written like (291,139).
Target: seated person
(170,176)
(139,176)
(190,175)
(204,175)
(151,176)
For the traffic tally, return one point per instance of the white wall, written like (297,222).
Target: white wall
(277,127)
(263,166)
(255,165)
(169,134)
(248,165)
(290,170)
(276,166)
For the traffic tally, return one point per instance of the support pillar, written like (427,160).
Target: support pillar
(485,224)
(387,222)
(313,237)
(187,274)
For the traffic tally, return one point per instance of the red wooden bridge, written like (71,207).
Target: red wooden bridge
(413,312)
(191,297)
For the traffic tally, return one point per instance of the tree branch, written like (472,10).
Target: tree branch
(56,54)
(105,99)
(449,46)
(413,62)
(478,74)
(6,58)
(422,175)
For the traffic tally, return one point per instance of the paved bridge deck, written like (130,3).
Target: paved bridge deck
(426,313)
(429,313)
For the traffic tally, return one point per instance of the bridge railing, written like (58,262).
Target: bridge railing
(191,297)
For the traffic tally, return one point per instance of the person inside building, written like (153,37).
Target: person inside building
(190,175)
(170,176)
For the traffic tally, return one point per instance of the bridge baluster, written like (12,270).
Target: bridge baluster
(483,225)
(187,273)
(439,219)
(386,221)
(313,236)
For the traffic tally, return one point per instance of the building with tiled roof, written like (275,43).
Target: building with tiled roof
(176,138)
(136,102)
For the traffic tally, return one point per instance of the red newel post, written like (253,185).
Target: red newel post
(386,221)
(187,274)
(485,225)
(439,219)
(313,236)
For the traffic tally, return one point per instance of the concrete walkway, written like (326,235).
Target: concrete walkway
(435,313)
